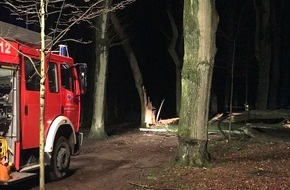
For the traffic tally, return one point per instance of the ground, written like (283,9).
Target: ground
(143,160)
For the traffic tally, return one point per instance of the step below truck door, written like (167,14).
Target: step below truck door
(18,177)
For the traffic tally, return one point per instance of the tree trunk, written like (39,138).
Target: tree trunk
(276,17)
(200,24)
(263,51)
(42,97)
(230,39)
(133,64)
(174,49)
(102,51)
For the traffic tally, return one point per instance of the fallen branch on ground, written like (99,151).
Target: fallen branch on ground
(148,187)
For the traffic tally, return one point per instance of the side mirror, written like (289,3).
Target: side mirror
(82,74)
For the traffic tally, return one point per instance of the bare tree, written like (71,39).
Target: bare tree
(263,51)
(60,15)
(102,52)
(200,24)
(42,96)
(134,66)
(175,50)
(277,10)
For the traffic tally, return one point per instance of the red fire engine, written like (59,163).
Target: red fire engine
(20,109)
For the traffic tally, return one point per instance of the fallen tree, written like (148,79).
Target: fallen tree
(252,123)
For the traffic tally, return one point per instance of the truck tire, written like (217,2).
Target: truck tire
(60,159)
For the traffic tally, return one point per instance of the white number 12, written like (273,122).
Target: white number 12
(5,47)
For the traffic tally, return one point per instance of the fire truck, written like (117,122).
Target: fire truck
(65,82)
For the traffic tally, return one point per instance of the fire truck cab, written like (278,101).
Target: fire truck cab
(65,82)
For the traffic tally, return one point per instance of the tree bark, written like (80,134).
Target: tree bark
(133,64)
(231,32)
(263,51)
(276,17)
(200,24)
(176,43)
(42,97)
(102,51)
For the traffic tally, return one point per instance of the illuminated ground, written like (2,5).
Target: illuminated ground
(140,160)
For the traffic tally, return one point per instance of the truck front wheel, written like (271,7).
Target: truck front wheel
(60,159)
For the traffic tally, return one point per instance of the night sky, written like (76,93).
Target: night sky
(147,25)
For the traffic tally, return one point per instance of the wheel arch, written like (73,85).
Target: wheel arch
(61,126)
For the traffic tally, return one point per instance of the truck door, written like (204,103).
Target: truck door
(30,126)
(52,97)
(70,96)
(31,109)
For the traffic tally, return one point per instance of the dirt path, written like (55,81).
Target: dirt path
(113,163)
(141,157)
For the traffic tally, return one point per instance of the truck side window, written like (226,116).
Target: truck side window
(32,78)
(66,77)
(52,77)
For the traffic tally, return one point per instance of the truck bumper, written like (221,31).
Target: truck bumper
(80,139)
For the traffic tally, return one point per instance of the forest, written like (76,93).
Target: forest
(250,64)
(187,61)
(250,68)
